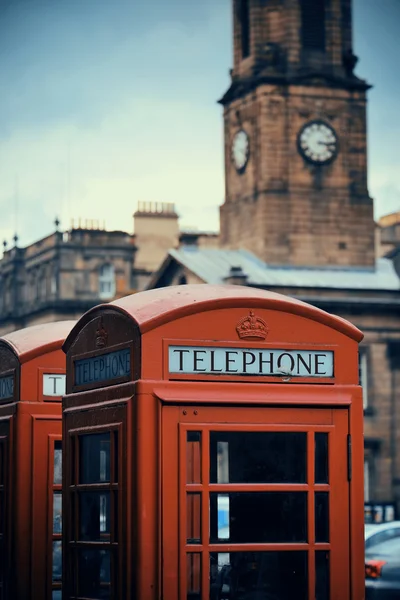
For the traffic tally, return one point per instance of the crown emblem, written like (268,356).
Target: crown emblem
(101,335)
(252,327)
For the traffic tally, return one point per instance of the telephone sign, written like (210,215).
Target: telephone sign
(53,384)
(250,361)
(6,387)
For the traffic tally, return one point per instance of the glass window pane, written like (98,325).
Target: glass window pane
(258,575)
(94,516)
(258,457)
(57,561)
(321,458)
(2,565)
(57,512)
(193,575)
(94,573)
(322,517)
(56,595)
(94,455)
(322,575)
(116,458)
(193,457)
(2,507)
(57,478)
(193,515)
(258,517)
(1,464)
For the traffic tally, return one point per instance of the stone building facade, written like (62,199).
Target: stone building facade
(295,126)
(63,275)
(297,216)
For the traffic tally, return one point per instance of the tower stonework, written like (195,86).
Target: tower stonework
(295,137)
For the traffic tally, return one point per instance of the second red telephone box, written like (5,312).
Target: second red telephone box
(32,382)
(214,448)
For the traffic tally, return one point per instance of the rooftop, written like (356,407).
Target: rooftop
(215,265)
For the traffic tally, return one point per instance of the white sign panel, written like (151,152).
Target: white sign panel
(190,360)
(54,384)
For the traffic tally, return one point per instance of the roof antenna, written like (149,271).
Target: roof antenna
(16,208)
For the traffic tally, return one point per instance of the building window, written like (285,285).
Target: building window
(366,480)
(53,284)
(363,375)
(8,294)
(313,24)
(39,285)
(245,27)
(107,282)
(33,287)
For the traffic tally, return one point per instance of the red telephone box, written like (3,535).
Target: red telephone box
(32,383)
(214,449)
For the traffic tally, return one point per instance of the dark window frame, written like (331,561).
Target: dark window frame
(244,17)
(313,25)
(109,542)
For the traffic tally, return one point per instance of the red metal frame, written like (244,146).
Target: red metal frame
(35,351)
(162,404)
(175,426)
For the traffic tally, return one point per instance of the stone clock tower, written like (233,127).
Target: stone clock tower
(295,137)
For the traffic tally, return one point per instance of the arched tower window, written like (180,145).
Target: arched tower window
(313,24)
(182,280)
(244,15)
(106,282)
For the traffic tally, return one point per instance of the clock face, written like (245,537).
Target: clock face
(318,143)
(240,150)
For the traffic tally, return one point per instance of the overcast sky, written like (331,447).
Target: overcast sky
(106,103)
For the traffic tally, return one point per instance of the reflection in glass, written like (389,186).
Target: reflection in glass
(321,457)
(56,595)
(193,576)
(57,477)
(259,576)
(94,566)
(104,511)
(322,517)
(57,561)
(94,455)
(223,462)
(94,515)
(193,457)
(259,517)
(103,465)
(57,513)
(223,516)
(258,457)
(321,575)
(193,516)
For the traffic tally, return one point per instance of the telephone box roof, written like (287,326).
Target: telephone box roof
(33,341)
(153,308)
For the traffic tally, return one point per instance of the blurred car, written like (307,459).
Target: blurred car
(382,571)
(376,534)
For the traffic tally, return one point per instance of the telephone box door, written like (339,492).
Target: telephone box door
(255,504)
